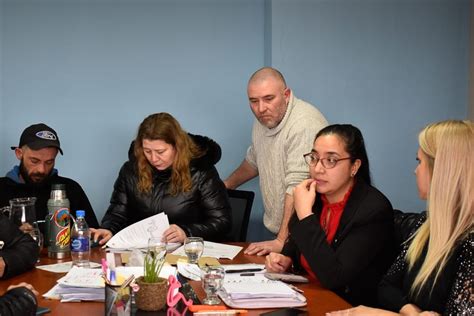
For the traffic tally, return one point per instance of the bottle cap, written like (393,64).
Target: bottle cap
(80,213)
(58,186)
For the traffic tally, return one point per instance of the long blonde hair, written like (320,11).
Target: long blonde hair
(165,127)
(450,148)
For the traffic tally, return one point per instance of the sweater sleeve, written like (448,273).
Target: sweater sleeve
(214,206)
(19,252)
(299,142)
(18,301)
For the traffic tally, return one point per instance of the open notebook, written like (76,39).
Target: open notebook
(257,291)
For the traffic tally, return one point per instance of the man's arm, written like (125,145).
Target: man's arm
(242,174)
(265,247)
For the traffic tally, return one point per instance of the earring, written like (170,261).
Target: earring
(353,174)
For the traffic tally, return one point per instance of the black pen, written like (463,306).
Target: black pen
(243,270)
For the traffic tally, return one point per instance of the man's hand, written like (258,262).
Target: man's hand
(103,234)
(263,248)
(2,266)
(174,233)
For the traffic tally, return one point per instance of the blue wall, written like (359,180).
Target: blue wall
(388,67)
(94,69)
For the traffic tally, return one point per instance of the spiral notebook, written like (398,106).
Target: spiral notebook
(256,291)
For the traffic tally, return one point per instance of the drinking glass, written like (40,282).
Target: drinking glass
(157,246)
(35,233)
(193,248)
(212,280)
(22,213)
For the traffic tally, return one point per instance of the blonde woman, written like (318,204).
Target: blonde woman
(434,273)
(173,172)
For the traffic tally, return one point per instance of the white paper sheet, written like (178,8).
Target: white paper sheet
(214,250)
(137,235)
(62,267)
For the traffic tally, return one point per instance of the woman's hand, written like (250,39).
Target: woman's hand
(361,310)
(304,195)
(174,233)
(23,284)
(276,262)
(102,233)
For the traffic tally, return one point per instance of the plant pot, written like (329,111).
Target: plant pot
(151,296)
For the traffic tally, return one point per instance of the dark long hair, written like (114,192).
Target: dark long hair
(354,145)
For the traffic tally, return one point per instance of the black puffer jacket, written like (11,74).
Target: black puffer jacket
(18,301)
(18,250)
(204,211)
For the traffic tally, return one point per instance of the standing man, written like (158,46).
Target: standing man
(283,131)
(37,151)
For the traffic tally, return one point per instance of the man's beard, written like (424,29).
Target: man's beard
(35,178)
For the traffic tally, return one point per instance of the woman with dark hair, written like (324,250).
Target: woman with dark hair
(173,172)
(343,225)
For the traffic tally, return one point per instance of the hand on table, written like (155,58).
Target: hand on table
(361,310)
(276,262)
(23,284)
(263,248)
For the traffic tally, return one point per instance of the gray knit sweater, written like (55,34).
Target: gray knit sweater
(277,154)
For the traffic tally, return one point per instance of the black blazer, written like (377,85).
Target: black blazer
(362,249)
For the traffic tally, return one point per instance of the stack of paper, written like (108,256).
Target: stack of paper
(256,291)
(79,284)
(83,284)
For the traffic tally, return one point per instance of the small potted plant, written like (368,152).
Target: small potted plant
(151,295)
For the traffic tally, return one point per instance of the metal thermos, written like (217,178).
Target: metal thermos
(58,223)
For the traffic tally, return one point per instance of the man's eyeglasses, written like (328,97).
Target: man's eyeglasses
(328,163)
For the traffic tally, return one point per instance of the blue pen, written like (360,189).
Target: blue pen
(112,277)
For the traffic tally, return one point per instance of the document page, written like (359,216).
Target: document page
(214,250)
(137,235)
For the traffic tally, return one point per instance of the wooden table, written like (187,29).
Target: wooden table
(319,300)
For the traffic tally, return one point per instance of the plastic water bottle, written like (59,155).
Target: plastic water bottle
(80,243)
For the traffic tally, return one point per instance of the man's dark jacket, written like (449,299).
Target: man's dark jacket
(204,211)
(362,249)
(9,189)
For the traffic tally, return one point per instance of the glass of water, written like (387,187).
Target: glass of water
(212,280)
(157,246)
(193,247)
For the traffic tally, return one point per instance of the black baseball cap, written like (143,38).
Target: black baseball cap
(39,136)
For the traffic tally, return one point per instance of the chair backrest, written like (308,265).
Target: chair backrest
(241,204)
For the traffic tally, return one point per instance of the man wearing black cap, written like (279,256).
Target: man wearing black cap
(37,151)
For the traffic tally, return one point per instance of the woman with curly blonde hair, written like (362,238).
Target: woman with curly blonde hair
(434,272)
(173,172)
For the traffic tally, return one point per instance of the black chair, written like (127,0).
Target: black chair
(241,204)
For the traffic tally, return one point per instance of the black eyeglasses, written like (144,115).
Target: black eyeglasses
(328,163)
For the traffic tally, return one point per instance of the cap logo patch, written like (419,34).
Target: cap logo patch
(46,135)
